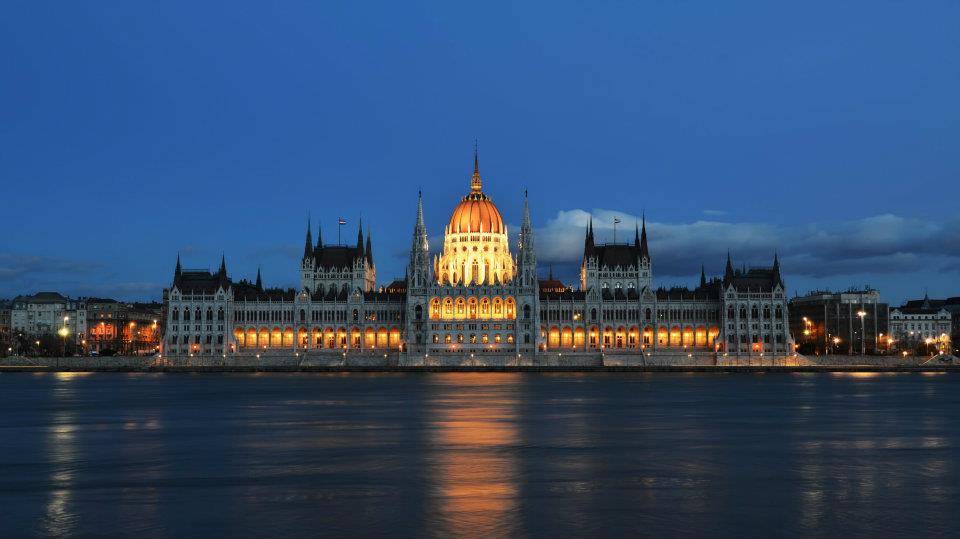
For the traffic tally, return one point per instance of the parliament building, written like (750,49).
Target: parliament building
(480,300)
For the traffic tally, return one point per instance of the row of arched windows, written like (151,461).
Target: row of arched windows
(198,314)
(472,308)
(755,312)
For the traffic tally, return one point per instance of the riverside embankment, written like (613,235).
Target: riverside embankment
(299,364)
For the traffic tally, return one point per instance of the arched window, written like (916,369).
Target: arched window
(766,312)
(779,313)
(526,312)
(743,312)
(186,314)
(754,312)
(356,315)
(647,313)
(198,316)
(619,286)
(605,285)
(593,314)
(303,315)
(220,313)
(176,314)
(209,314)
(418,312)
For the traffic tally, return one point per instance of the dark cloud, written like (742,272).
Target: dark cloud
(28,274)
(13,267)
(879,244)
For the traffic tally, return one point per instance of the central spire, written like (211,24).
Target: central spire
(475,183)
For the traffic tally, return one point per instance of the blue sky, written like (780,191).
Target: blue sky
(131,131)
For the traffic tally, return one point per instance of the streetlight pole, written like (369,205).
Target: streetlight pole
(863,336)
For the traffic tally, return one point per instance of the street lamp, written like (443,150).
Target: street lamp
(863,340)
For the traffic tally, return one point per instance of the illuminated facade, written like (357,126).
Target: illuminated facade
(480,297)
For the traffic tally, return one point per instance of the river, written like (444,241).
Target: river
(479,455)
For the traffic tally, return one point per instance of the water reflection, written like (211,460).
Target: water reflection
(472,439)
(59,518)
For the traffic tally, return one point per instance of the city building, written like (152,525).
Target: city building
(925,325)
(850,322)
(6,340)
(122,328)
(49,313)
(478,299)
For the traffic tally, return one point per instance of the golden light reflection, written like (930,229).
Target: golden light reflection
(862,374)
(472,437)
(70,375)
(59,518)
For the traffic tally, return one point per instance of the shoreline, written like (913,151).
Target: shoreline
(489,369)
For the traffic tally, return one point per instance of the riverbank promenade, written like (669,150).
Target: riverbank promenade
(380,363)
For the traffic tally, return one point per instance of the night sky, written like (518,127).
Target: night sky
(825,131)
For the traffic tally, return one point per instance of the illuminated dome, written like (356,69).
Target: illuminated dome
(476,249)
(476,213)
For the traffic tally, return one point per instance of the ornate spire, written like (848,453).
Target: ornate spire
(178,271)
(308,245)
(777,277)
(420,225)
(588,241)
(728,272)
(418,272)
(703,276)
(319,246)
(259,284)
(369,248)
(636,235)
(475,183)
(223,266)
(526,230)
(360,237)
(644,251)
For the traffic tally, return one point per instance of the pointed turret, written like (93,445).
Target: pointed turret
(588,240)
(222,272)
(636,235)
(728,272)
(259,283)
(777,277)
(177,272)
(526,250)
(418,273)
(360,238)
(308,245)
(369,248)
(703,276)
(644,251)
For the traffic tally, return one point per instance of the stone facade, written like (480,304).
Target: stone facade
(480,300)
(46,313)
(922,322)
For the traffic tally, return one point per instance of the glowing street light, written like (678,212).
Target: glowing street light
(863,340)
